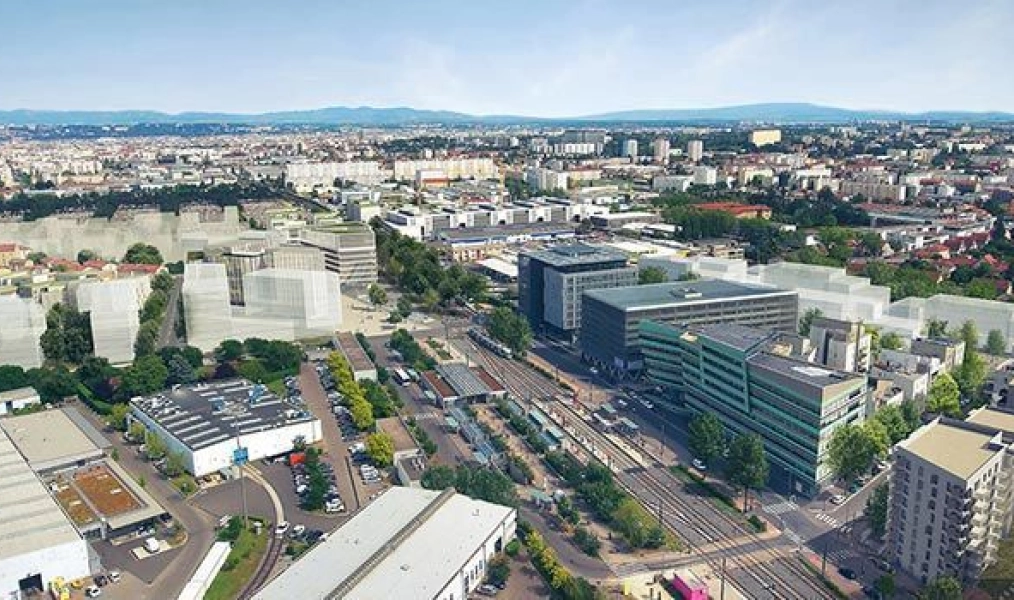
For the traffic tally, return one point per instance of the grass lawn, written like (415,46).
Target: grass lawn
(240,565)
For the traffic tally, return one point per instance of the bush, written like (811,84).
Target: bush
(512,548)
(587,542)
(758,525)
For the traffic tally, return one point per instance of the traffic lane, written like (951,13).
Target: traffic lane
(336,452)
(570,556)
(227,499)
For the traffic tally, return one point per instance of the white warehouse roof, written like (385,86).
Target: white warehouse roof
(439,532)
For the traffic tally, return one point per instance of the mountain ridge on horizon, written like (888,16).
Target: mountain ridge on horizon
(772,112)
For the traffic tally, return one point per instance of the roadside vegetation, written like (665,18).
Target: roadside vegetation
(248,548)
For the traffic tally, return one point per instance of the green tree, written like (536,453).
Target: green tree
(175,464)
(404,307)
(162,282)
(117,418)
(143,254)
(886,585)
(878,435)
(706,437)
(944,396)
(146,376)
(850,452)
(891,341)
(229,350)
(936,328)
(377,295)
(747,465)
(84,256)
(650,275)
(876,510)
(147,339)
(511,329)
(380,449)
(942,588)
(996,344)
(137,431)
(894,421)
(498,571)
(53,384)
(154,446)
(12,377)
(361,413)
(806,321)
(438,477)
(180,371)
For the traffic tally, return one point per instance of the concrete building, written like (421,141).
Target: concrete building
(19,399)
(305,177)
(457,383)
(610,336)
(695,150)
(705,175)
(546,180)
(311,300)
(24,322)
(350,250)
(765,137)
(550,282)
(660,150)
(950,502)
(359,361)
(208,422)
(39,541)
(452,168)
(630,149)
(113,308)
(296,258)
(841,345)
(238,261)
(744,376)
(206,305)
(408,542)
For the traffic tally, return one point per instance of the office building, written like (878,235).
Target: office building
(660,150)
(208,422)
(39,541)
(550,282)
(609,334)
(841,345)
(424,544)
(950,498)
(746,377)
(695,150)
(296,258)
(765,137)
(24,322)
(350,250)
(238,261)
(114,310)
(630,149)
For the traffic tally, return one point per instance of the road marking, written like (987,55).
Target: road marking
(780,508)
(826,518)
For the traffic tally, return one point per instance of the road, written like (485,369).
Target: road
(771,570)
(167,334)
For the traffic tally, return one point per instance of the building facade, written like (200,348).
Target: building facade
(842,345)
(610,337)
(745,377)
(350,250)
(551,282)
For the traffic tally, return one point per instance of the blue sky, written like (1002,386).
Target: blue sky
(540,58)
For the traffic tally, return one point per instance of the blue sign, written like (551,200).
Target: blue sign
(240,456)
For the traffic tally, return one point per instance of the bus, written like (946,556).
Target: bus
(401,377)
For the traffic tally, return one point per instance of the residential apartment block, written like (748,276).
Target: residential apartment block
(747,378)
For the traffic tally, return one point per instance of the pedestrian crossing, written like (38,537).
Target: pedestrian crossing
(780,508)
(840,556)
(826,518)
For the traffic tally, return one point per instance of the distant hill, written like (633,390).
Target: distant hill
(364,115)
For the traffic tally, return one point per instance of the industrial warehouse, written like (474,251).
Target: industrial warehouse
(457,383)
(408,543)
(215,425)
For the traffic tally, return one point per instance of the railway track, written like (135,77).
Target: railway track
(275,547)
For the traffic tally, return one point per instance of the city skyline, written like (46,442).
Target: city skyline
(550,59)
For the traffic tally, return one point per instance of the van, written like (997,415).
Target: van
(152,545)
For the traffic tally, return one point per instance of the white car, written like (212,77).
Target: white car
(838,499)
(281,528)
(298,530)
(699,464)
(114,576)
(93,591)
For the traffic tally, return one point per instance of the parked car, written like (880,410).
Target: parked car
(100,580)
(838,499)
(298,531)
(847,573)
(281,528)
(114,577)
(699,464)
(92,591)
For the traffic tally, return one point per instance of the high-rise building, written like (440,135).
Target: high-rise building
(609,334)
(24,322)
(114,308)
(630,148)
(747,378)
(695,150)
(660,150)
(299,258)
(550,282)
(765,137)
(705,175)
(842,345)
(951,495)
(350,250)
(206,310)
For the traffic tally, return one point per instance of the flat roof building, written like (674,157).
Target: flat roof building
(744,376)
(18,399)
(408,542)
(551,282)
(361,364)
(609,335)
(55,439)
(350,250)
(208,422)
(458,383)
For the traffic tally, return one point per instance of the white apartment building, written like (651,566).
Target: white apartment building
(765,137)
(841,345)
(24,322)
(660,150)
(950,499)
(873,190)
(452,168)
(547,180)
(705,176)
(304,177)
(630,148)
(695,150)
(114,312)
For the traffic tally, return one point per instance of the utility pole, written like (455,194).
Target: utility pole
(722,592)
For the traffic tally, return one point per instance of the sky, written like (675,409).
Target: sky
(549,58)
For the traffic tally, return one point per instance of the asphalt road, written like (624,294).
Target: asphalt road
(167,334)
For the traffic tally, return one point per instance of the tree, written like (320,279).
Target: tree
(12,377)
(942,588)
(361,413)
(891,341)
(806,321)
(96,374)
(146,376)
(944,396)
(894,422)
(438,477)
(850,452)
(377,295)
(180,371)
(498,571)
(154,446)
(175,464)
(936,328)
(84,256)
(878,435)
(747,465)
(229,350)
(380,449)
(650,275)
(147,339)
(137,431)
(876,510)
(143,254)
(162,282)
(511,329)
(117,418)
(53,384)
(404,307)
(706,437)
(996,344)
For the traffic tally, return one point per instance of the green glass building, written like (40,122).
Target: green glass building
(747,378)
